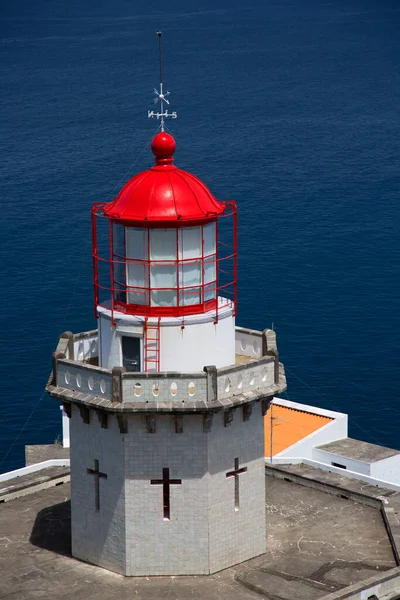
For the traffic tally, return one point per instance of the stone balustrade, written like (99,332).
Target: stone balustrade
(256,369)
(85,378)
(164,387)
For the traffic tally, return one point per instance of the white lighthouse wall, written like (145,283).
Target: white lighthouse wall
(110,345)
(185,349)
(97,537)
(236,533)
(154,544)
(197,345)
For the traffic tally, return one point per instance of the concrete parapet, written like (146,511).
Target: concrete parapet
(380,587)
(384,499)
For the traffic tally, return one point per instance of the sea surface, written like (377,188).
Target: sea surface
(291,107)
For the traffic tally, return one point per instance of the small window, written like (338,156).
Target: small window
(338,465)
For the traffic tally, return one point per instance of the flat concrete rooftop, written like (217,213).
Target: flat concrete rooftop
(316,543)
(358,450)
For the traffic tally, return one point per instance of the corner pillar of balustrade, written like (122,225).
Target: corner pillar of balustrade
(56,357)
(117,373)
(212,383)
(269,348)
(69,336)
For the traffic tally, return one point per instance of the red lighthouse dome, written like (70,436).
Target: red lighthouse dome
(164,193)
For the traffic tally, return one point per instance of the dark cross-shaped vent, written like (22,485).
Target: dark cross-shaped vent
(97,475)
(166,482)
(235,473)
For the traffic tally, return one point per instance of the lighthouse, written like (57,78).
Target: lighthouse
(164,283)
(166,398)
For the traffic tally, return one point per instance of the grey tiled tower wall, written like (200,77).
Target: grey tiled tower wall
(205,531)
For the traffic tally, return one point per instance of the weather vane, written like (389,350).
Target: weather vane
(161,96)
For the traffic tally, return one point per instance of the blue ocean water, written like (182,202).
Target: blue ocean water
(288,106)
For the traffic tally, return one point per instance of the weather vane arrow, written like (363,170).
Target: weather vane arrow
(160,95)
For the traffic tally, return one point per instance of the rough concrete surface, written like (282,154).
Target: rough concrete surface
(39,453)
(358,450)
(316,544)
(19,486)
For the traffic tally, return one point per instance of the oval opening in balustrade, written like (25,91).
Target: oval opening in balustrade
(80,350)
(265,375)
(191,389)
(91,383)
(137,389)
(93,347)
(242,345)
(173,389)
(240,382)
(102,386)
(67,377)
(156,389)
(256,347)
(227,384)
(252,379)
(79,380)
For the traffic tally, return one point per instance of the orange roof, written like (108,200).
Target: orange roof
(289,425)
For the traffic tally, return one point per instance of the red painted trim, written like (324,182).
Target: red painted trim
(165,311)
(164,224)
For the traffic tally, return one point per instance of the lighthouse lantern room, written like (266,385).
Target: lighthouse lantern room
(164,276)
(166,398)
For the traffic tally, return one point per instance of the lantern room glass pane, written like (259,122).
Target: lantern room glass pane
(137,277)
(190,276)
(210,269)
(190,273)
(210,238)
(137,296)
(189,296)
(163,275)
(118,234)
(210,291)
(163,244)
(136,243)
(190,242)
(163,298)
(119,281)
